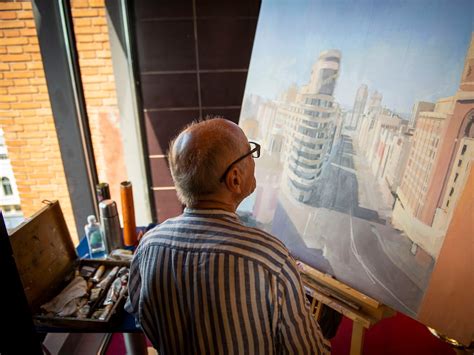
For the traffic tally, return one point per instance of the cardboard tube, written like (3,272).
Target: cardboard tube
(128,214)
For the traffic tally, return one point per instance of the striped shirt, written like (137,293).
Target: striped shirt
(205,283)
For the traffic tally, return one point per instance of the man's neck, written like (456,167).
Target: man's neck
(214,205)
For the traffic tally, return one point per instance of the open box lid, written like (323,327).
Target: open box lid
(44,253)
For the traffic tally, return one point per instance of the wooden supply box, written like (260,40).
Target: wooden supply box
(46,261)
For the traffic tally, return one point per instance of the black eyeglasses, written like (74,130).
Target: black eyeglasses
(254,151)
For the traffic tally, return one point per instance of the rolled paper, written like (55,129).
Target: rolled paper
(128,214)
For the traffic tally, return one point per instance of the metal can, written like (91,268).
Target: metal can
(110,225)
(103,191)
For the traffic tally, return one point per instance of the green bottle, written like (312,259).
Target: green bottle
(94,237)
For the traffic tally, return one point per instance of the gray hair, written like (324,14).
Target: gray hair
(197,169)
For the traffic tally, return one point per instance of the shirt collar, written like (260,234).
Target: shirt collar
(211,212)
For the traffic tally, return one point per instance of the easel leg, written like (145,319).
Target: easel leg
(313,305)
(317,312)
(357,340)
(316,308)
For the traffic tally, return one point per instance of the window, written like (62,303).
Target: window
(304,144)
(451,192)
(307,155)
(7,187)
(294,163)
(307,132)
(311,124)
(303,175)
(464,147)
(332,59)
(459,162)
(456,177)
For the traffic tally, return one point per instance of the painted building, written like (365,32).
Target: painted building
(420,169)
(250,105)
(397,158)
(389,162)
(441,149)
(374,102)
(374,107)
(266,116)
(289,95)
(386,126)
(250,126)
(311,123)
(339,123)
(459,127)
(359,106)
(370,133)
(421,106)
(456,181)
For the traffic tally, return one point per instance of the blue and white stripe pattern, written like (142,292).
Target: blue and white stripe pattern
(203,283)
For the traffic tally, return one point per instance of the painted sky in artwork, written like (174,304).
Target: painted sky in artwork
(408,50)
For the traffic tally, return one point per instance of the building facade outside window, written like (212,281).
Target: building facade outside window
(7,187)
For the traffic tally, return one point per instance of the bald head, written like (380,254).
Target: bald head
(199,155)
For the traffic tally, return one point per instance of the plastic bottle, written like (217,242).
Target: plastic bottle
(94,238)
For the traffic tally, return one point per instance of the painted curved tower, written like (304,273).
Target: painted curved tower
(313,134)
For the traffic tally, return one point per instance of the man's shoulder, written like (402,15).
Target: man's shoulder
(152,235)
(226,235)
(211,223)
(238,228)
(265,242)
(267,236)
(163,225)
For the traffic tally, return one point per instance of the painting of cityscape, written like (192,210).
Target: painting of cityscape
(365,114)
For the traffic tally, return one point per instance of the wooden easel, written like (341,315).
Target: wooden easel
(363,310)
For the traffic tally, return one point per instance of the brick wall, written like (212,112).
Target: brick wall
(25,114)
(25,111)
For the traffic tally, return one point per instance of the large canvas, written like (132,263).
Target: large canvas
(364,111)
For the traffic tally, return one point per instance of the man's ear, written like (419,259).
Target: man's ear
(234,180)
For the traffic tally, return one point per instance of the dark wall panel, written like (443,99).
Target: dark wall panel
(231,114)
(193,58)
(166,45)
(225,43)
(146,9)
(169,91)
(167,204)
(160,173)
(227,8)
(163,126)
(223,88)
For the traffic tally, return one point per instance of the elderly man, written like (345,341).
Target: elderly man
(205,283)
